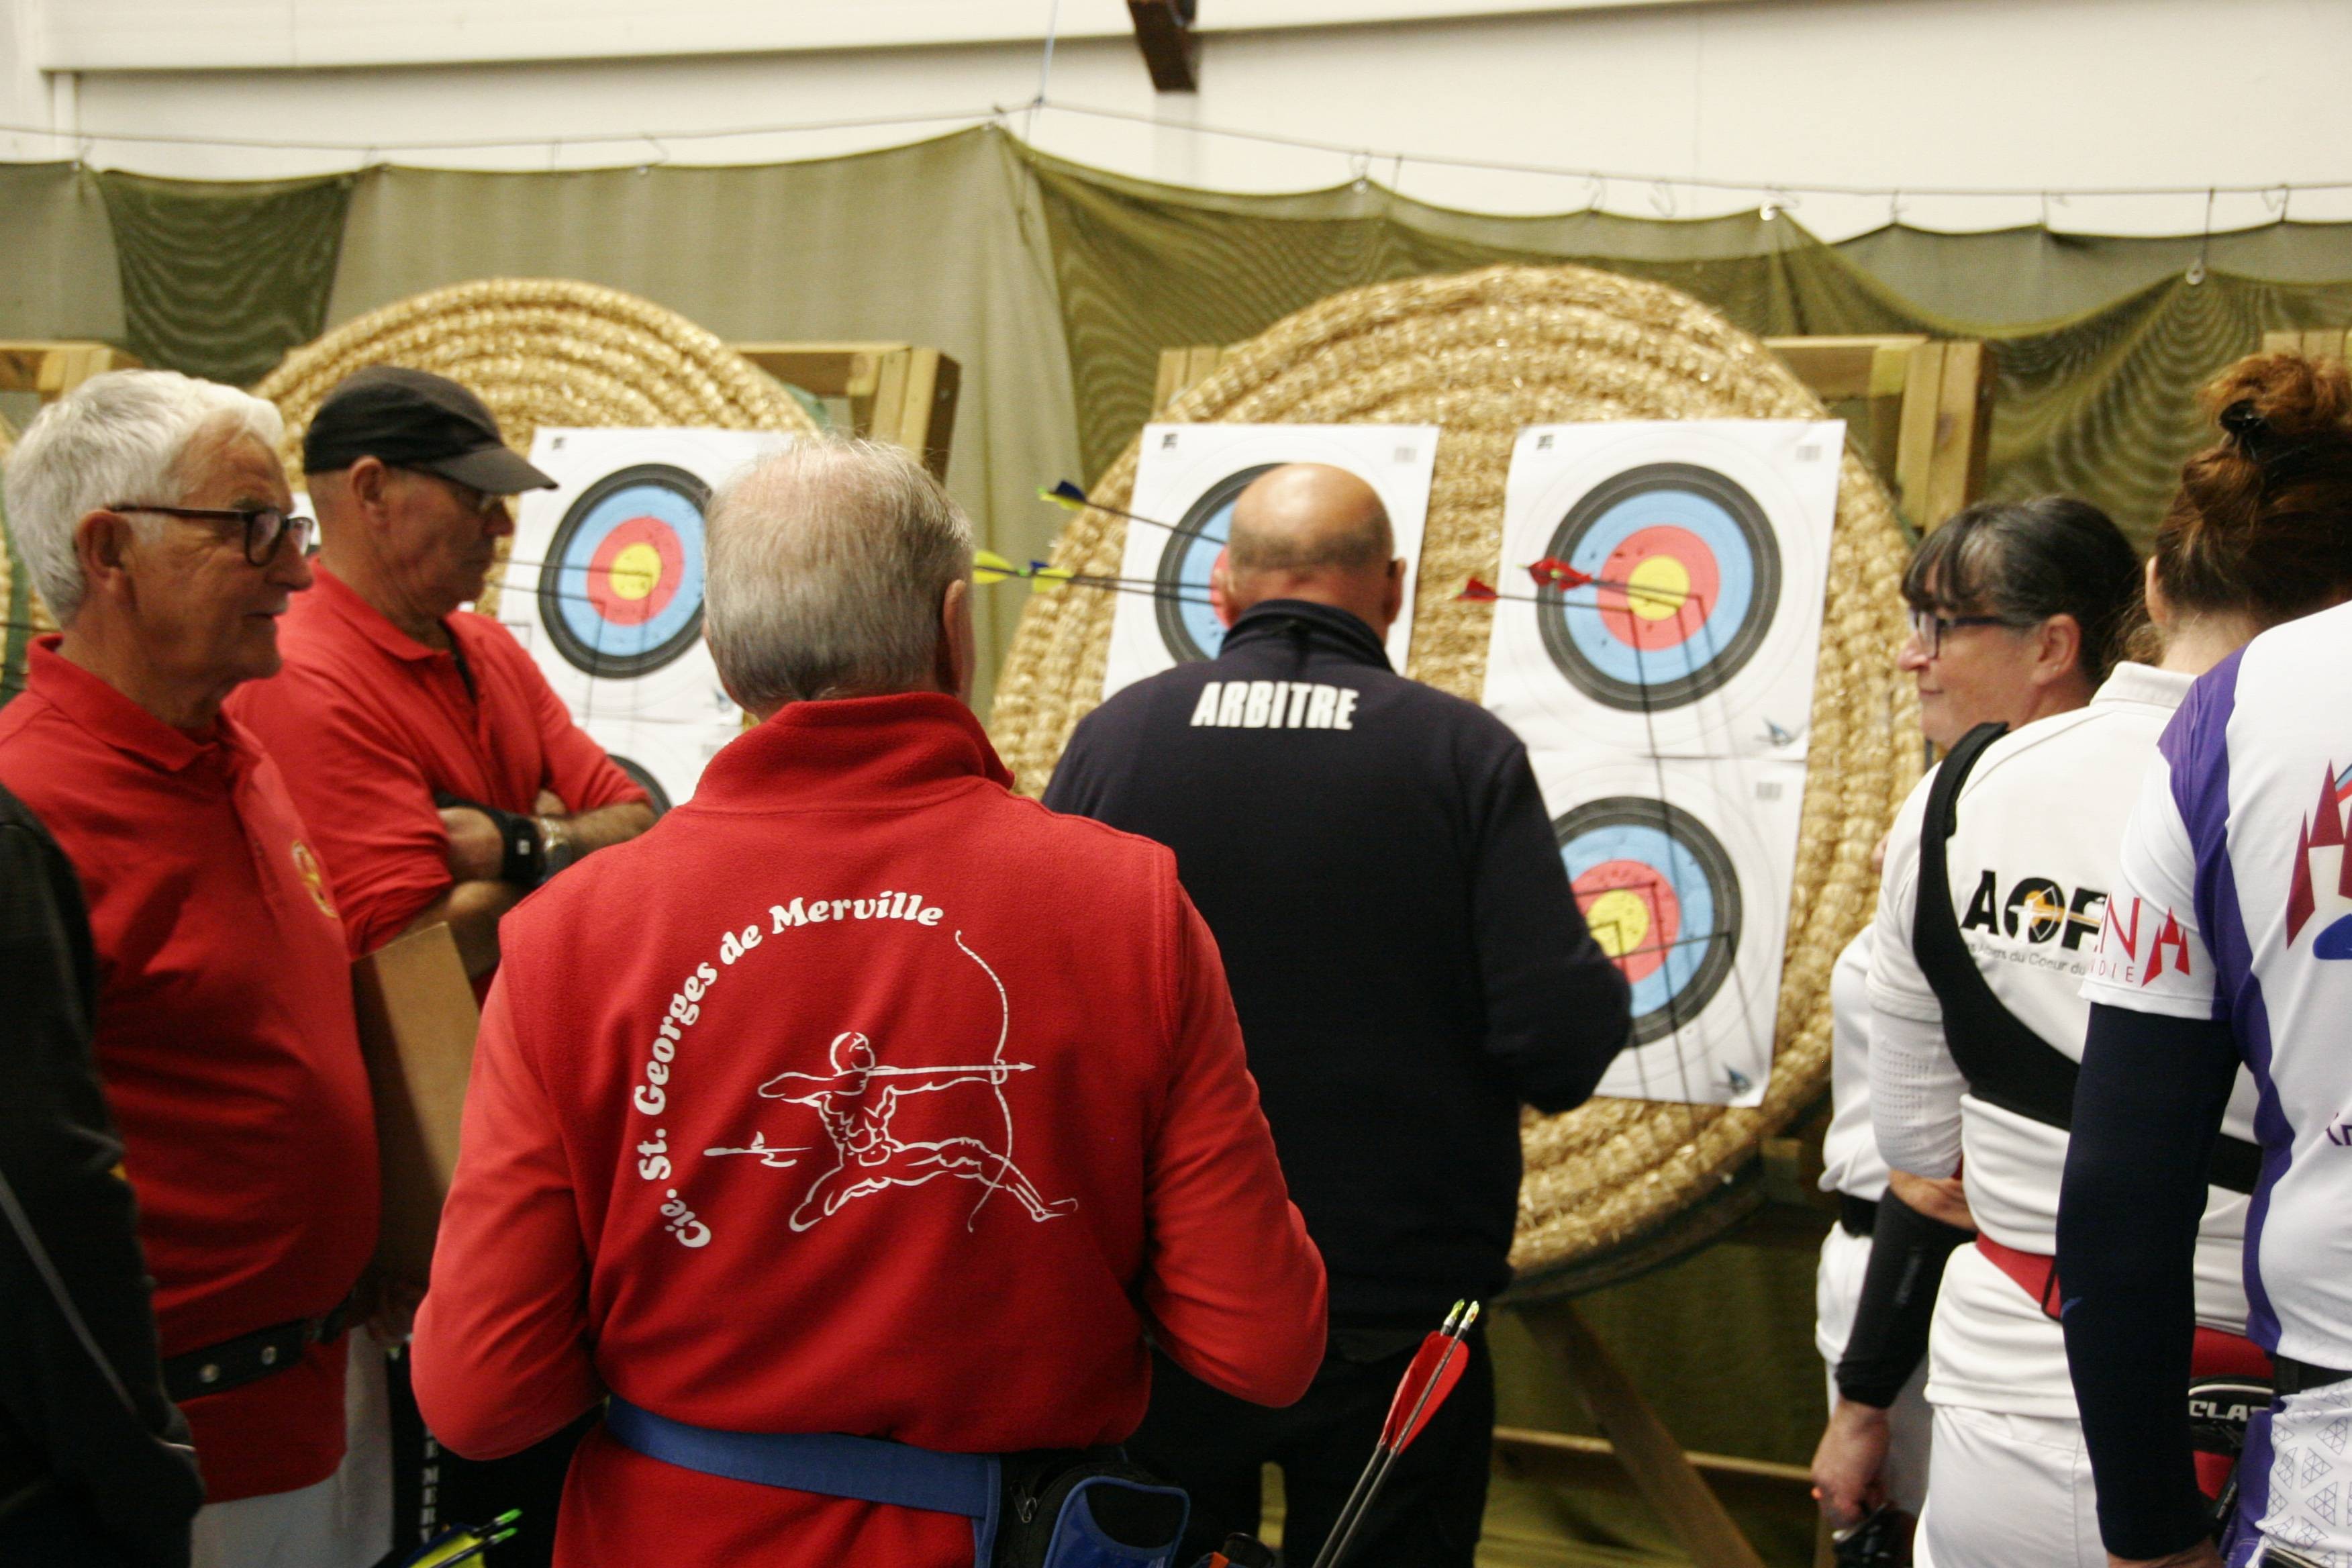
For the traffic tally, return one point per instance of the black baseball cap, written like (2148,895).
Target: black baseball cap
(413,419)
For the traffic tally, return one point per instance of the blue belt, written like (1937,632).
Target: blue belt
(867,1469)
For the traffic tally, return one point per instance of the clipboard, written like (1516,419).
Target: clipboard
(417,1019)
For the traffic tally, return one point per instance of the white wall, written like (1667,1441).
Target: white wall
(2030,94)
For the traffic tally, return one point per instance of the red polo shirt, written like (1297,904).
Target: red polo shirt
(368,723)
(225,1042)
(860,1095)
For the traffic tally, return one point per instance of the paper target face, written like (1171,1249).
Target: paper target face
(1708,546)
(606,583)
(1188,480)
(620,590)
(1682,870)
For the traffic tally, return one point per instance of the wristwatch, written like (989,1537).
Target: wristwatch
(556,834)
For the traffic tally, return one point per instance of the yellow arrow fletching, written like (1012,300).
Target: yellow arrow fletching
(987,566)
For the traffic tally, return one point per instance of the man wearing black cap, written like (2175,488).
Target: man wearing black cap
(444,777)
(440,775)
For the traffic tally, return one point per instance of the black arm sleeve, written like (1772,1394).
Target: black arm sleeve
(1907,1254)
(127,1465)
(2146,1109)
(1558,1010)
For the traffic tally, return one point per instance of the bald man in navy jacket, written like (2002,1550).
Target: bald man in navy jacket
(1410,967)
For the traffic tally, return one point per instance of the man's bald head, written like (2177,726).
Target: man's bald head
(1309,531)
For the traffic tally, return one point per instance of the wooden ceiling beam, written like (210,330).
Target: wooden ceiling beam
(1172,50)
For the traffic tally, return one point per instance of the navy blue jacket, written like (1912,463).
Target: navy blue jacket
(1404,950)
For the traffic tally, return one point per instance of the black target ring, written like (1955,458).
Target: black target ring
(1183,581)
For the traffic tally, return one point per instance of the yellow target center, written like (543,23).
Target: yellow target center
(1620,922)
(636,570)
(1660,586)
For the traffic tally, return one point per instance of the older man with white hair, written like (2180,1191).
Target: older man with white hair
(154,516)
(859,1126)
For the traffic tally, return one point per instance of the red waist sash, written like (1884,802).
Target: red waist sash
(2215,1353)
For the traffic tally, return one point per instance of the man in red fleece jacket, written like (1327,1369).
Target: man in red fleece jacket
(859,1096)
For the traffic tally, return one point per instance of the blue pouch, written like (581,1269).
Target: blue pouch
(1087,1510)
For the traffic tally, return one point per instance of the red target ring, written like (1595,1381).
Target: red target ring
(1632,912)
(636,571)
(1668,583)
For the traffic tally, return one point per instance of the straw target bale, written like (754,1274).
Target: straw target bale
(543,351)
(1483,354)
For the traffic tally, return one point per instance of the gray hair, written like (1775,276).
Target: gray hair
(115,439)
(826,566)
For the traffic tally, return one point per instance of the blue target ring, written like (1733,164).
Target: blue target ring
(1660,896)
(1187,625)
(621,594)
(1688,575)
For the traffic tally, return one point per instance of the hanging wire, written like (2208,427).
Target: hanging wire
(1044,68)
(1694,182)
(88,139)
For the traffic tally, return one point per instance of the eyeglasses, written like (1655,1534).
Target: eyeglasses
(1929,628)
(265,526)
(482,503)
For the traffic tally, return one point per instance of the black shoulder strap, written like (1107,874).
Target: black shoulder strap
(2006,1063)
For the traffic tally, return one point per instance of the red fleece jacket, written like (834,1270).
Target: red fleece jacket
(859,1096)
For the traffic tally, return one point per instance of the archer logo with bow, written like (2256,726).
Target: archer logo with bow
(854,1105)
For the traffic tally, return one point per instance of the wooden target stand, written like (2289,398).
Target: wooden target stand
(1921,410)
(51,370)
(898,392)
(2327,342)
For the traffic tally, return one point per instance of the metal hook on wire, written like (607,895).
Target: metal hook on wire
(2197,273)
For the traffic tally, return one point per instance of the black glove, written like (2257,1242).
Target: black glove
(523,853)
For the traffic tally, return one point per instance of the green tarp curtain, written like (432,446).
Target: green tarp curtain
(938,244)
(1056,285)
(2098,399)
(220,280)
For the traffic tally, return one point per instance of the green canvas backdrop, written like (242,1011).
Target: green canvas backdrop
(1056,286)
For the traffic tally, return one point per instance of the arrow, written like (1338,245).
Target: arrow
(464,1543)
(1478,591)
(1436,1368)
(1068,496)
(990,568)
(987,566)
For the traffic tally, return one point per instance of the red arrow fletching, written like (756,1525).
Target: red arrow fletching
(1436,1367)
(1478,593)
(1551,569)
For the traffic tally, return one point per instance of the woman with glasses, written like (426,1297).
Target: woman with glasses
(1996,890)
(2016,610)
